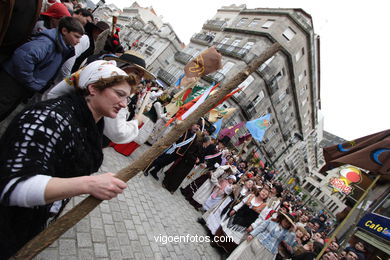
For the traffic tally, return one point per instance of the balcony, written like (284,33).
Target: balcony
(214,25)
(229,50)
(149,51)
(267,72)
(137,26)
(214,77)
(166,77)
(240,97)
(202,39)
(182,57)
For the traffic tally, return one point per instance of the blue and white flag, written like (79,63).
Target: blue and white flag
(218,126)
(258,127)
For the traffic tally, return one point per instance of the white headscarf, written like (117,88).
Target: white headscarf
(93,72)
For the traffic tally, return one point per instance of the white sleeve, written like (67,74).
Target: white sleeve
(159,109)
(238,206)
(28,193)
(58,90)
(119,130)
(257,222)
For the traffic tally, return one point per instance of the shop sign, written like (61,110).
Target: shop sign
(376,224)
(348,176)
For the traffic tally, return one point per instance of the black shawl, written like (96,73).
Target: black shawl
(58,138)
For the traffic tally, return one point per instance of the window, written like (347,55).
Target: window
(266,63)
(384,207)
(285,107)
(245,84)
(280,75)
(254,23)
(258,98)
(233,45)
(268,24)
(301,76)
(228,65)
(224,41)
(282,95)
(242,21)
(246,47)
(289,33)
(193,52)
(299,54)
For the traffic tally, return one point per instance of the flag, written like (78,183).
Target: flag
(178,81)
(219,113)
(205,63)
(218,126)
(193,93)
(185,108)
(201,99)
(258,127)
(371,152)
(230,131)
(243,138)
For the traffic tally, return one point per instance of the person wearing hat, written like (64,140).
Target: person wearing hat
(50,149)
(50,18)
(263,241)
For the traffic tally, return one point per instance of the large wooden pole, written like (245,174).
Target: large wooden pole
(372,185)
(72,217)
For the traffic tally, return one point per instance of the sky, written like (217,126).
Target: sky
(354,51)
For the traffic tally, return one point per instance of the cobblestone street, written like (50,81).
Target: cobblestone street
(126,227)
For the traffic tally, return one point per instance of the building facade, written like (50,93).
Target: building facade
(145,32)
(285,86)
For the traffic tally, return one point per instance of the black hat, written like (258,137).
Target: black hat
(132,58)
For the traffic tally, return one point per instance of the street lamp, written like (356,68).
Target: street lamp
(100,3)
(293,140)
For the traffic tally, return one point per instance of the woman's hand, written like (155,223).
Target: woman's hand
(249,238)
(105,186)
(232,213)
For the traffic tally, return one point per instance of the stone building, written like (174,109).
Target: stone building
(286,85)
(145,32)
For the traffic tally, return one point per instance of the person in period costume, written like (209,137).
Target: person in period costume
(175,151)
(215,218)
(240,218)
(212,159)
(183,165)
(123,128)
(155,113)
(50,148)
(202,194)
(263,241)
(223,188)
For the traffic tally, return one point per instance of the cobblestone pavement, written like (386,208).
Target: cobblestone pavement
(125,227)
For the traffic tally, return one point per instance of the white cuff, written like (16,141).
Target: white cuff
(28,193)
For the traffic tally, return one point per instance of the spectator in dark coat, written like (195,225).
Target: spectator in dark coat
(34,64)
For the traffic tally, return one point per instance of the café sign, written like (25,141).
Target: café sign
(376,224)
